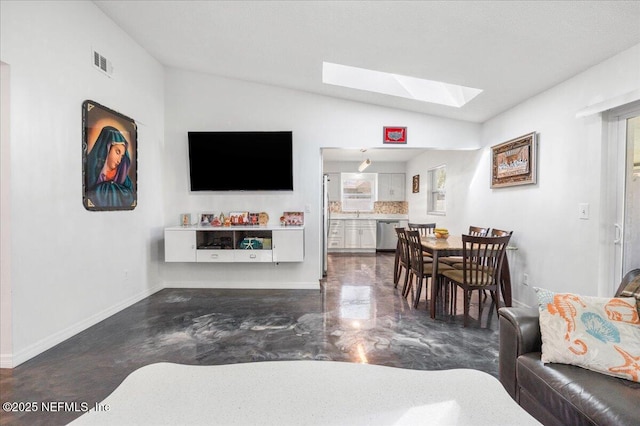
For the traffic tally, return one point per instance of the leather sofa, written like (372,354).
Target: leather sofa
(559,394)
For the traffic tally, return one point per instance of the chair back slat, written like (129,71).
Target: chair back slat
(478,231)
(500,233)
(402,249)
(425,229)
(482,259)
(416,255)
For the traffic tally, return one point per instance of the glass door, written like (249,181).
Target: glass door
(631,213)
(625,191)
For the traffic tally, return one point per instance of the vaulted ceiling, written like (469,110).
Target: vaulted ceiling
(512,50)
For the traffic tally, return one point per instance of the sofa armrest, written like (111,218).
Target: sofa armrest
(519,334)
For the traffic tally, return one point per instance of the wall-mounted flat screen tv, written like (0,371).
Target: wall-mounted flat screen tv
(241,161)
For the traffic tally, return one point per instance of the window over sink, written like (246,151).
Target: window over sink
(358,191)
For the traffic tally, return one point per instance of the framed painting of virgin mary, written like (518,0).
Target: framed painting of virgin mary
(109,159)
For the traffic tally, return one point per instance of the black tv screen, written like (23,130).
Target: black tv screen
(241,161)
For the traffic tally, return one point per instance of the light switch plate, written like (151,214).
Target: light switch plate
(583,211)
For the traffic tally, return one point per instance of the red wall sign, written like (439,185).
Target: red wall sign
(395,135)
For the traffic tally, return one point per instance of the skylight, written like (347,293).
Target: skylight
(397,85)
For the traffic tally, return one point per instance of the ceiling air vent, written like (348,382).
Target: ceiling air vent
(102,63)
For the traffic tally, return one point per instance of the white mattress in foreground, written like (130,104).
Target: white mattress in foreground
(306,393)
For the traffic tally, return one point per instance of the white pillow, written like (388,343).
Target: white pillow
(598,333)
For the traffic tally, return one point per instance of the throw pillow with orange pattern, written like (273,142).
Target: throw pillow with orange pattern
(598,333)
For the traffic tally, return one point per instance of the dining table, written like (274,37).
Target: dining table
(453,246)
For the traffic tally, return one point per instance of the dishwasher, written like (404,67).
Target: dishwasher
(386,237)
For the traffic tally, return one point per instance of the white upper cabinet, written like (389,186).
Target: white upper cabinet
(391,186)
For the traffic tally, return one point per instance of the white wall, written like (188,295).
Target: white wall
(68,264)
(459,173)
(556,249)
(375,167)
(203,102)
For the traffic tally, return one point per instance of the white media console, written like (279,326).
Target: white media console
(234,244)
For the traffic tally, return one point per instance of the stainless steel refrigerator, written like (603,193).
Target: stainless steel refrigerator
(325,222)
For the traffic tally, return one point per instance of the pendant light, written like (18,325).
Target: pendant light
(364,165)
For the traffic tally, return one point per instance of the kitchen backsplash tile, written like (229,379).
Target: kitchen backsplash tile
(379,207)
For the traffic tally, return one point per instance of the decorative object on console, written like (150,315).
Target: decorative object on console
(239,218)
(293,218)
(252,243)
(185,219)
(206,218)
(395,135)
(253,218)
(514,162)
(266,243)
(263,219)
(597,333)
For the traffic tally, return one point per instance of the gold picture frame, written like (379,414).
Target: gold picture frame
(514,162)
(109,159)
(416,184)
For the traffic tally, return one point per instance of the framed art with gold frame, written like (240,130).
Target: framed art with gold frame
(514,162)
(416,184)
(109,159)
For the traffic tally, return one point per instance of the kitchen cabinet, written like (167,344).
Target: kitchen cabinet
(360,234)
(335,239)
(391,186)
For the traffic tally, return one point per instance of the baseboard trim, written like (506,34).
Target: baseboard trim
(245,285)
(6,361)
(59,337)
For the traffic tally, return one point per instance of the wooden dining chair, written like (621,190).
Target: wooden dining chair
(420,266)
(457,260)
(500,233)
(482,259)
(401,262)
(425,229)
(494,233)
(478,231)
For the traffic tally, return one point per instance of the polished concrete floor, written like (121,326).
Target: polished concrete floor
(357,316)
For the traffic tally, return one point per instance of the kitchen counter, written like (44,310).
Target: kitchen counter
(373,216)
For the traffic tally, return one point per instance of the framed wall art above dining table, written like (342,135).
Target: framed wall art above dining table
(514,162)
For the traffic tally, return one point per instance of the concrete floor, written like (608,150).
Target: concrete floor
(357,316)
